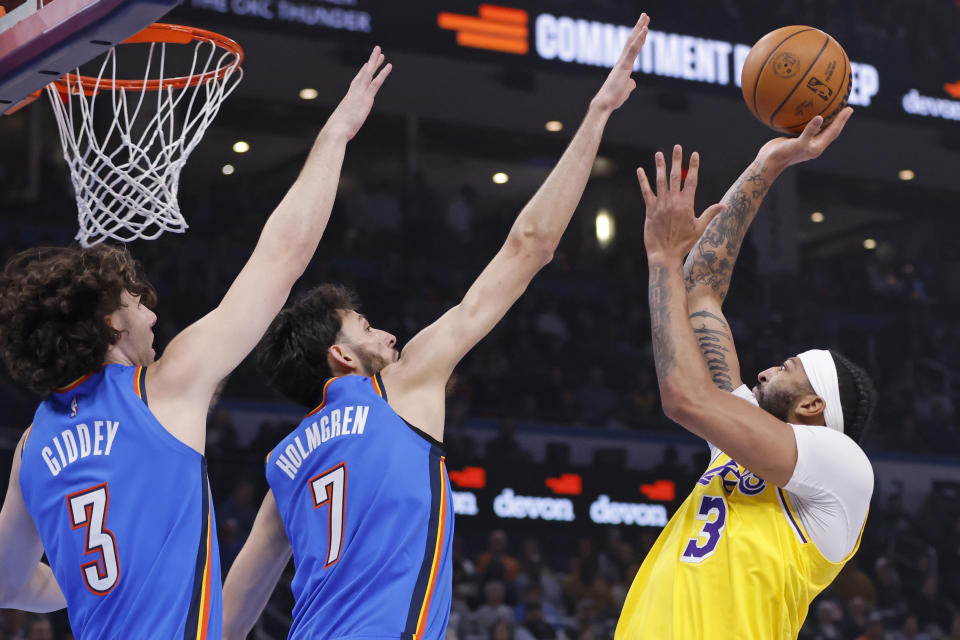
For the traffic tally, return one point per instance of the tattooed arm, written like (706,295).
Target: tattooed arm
(750,435)
(709,266)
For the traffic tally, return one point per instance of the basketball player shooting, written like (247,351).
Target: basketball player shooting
(359,492)
(784,500)
(110,479)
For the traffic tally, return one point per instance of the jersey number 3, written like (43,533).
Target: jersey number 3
(330,488)
(711,531)
(88,509)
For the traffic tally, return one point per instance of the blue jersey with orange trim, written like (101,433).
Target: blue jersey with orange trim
(123,509)
(365,501)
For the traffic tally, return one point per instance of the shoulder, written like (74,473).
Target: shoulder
(832,461)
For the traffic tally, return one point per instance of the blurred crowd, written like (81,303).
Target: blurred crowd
(575,350)
(903,584)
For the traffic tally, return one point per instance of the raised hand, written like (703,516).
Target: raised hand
(671,226)
(619,84)
(353,110)
(809,144)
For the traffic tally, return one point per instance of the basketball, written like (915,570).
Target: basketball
(794,74)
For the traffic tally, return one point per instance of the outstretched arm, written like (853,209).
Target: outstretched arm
(430,357)
(254,574)
(754,438)
(181,383)
(25,582)
(709,266)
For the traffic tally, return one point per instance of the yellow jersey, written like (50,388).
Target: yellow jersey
(734,557)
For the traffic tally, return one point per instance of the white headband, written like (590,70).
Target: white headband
(822,372)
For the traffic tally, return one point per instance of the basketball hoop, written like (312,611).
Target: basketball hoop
(126,170)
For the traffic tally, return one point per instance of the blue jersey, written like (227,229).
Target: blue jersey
(123,510)
(365,501)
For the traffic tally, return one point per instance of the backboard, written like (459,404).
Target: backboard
(39,43)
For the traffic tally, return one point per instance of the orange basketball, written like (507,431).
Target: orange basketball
(794,74)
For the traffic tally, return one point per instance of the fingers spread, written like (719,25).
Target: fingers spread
(676,167)
(691,182)
(661,173)
(648,195)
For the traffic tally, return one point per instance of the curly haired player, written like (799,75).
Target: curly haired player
(110,479)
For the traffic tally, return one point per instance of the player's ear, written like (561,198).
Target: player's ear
(341,357)
(810,406)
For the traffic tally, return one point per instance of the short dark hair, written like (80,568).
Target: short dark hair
(53,307)
(858,396)
(292,357)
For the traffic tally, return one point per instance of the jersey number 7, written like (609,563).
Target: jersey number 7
(330,488)
(88,509)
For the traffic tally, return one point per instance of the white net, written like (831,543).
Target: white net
(126,147)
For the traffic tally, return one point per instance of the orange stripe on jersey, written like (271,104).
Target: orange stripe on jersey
(376,386)
(435,567)
(136,383)
(268,455)
(205,594)
(323,399)
(73,385)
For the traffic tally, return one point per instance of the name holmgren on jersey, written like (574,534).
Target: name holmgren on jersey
(350,421)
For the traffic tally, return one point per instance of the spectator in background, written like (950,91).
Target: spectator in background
(875,629)
(495,563)
(829,621)
(852,583)
(584,583)
(857,619)
(535,573)
(546,615)
(889,590)
(909,630)
(932,610)
(40,629)
(492,611)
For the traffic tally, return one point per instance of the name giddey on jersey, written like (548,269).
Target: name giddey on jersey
(365,502)
(123,509)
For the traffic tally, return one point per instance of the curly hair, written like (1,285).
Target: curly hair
(53,307)
(858,396)
(292,356)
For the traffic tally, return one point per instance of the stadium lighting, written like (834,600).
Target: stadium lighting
(240,146)
(553,125)
(605,227)
(906,174)
(308,93)
(500,177)
(227,169)
(816,216)
(869,243)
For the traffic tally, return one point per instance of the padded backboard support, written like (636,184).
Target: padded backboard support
(63,35)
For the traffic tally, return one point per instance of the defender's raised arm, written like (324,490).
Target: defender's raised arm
(434,352)
(203,354)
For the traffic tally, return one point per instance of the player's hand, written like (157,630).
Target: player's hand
(809,144)
(672,227)
(619,84)
(353,110)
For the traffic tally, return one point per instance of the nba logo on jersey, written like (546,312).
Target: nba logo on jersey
(74,407)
